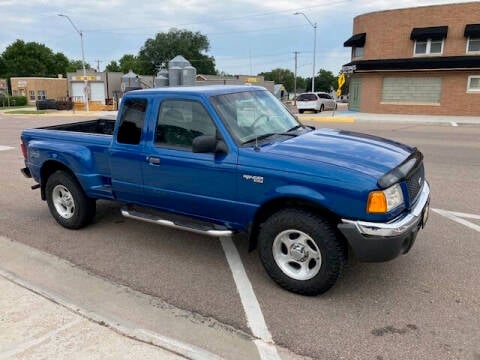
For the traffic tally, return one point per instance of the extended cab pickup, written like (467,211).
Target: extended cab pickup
(222,159)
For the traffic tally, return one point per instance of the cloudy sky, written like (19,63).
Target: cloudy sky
(246,36)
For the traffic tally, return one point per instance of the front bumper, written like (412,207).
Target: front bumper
(374,242)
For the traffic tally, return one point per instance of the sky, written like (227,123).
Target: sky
(246,36)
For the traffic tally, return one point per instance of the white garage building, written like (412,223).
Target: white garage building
(101,85)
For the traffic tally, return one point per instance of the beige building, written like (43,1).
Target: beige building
(422,60)
(235,80)
(39,88)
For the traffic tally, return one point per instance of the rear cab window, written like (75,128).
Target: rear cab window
(131,121)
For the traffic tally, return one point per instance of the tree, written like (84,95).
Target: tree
(112,67)
(280,76)
(165,46)
(32,59)
(129,62)
(75,65)
(324,81)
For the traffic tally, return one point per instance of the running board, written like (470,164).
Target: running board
(192,227)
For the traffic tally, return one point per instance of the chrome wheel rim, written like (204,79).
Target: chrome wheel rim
(296,254)
(63,201)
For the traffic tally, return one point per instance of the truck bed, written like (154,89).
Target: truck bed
(99,126)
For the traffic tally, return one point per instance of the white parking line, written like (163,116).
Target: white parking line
(253,312)
(5,148)
(453,123)
(460,218)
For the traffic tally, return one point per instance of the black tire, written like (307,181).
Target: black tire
(84,208)
(323,233)
(300,111)
(322,108)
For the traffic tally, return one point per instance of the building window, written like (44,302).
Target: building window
(473,45)
(428,47)
(31,95)
(357,52)
(15,92)
(41,95)
(412,90)
(473,84)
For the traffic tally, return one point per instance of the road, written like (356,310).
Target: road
(425,305)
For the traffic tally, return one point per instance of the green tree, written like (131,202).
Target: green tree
(32,59)
(300,83)
(324,81)
(129,62)
(165,46)
(281,76)
(112,67)
(75,65)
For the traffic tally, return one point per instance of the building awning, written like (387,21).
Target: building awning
(434,33)
(416,64)
(472,30)
(357,40)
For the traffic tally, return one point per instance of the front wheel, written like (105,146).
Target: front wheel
(300,251)
(67,202)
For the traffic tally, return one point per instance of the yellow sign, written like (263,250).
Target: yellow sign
(252,80)
(341,80)
(339,92)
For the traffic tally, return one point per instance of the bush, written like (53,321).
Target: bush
(14,100)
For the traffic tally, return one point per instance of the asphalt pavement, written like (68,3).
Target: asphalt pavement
(424,305)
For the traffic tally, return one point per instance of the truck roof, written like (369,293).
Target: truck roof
(204,90)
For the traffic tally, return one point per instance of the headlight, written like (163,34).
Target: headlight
(382,201)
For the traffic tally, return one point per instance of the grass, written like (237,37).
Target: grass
(26,112)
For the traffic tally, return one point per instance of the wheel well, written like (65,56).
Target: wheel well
(273,206)
(48,168)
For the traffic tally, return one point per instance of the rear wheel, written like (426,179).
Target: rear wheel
(301,252)
(300,111)
(67,202)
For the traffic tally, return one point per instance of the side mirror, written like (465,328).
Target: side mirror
(208,144)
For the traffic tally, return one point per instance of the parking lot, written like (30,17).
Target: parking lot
(425,305)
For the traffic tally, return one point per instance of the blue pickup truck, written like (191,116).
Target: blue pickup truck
(219,160)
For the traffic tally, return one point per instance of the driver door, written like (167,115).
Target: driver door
(179,180)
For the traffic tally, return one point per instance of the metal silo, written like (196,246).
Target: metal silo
(189,74)
(160,81)
(178,61)
(174,75)
(130,81)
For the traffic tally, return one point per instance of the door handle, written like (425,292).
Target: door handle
(153,160)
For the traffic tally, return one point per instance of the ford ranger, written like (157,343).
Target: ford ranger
(219,160)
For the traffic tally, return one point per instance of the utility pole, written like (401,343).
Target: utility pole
(314,26)
(85,79)
(295,80)
(98,64)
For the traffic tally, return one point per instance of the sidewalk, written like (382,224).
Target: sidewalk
(353,116)
(52,309)
(33,327)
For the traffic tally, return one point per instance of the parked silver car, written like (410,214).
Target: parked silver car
(315,102)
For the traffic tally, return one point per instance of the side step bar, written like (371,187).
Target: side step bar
(195,228)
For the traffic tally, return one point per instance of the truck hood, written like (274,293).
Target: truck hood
(368,154)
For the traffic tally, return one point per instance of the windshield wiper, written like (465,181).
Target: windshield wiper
(296,127)
(260,137)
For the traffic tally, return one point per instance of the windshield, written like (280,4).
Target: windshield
(251,115)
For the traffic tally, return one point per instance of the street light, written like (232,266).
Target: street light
(85,80)
(314,25)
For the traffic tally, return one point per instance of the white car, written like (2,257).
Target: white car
(315,102)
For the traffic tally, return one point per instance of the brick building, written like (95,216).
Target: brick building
(422,60)
(39,88)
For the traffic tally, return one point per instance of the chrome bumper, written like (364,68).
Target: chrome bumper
(398,226)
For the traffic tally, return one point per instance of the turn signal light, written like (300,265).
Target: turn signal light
(377,203)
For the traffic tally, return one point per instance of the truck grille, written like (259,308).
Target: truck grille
(415,182)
